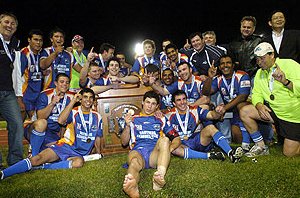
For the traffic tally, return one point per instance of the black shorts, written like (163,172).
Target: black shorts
(289,130)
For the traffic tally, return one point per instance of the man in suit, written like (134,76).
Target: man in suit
(285,42)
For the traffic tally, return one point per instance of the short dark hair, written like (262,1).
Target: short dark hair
(177,93)
(36,32)
(171,45)
(113,59)
(182,63)
(56,29)
(61,75)
(105,47)
(273,12)
(152,68)
(88,90)
(192,35)
(152,94)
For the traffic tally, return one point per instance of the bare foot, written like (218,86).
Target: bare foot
(158,181)
(130,186)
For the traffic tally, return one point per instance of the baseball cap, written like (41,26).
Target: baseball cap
(263,48)
(77,38)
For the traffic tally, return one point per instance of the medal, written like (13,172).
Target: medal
(272,97)
(88,140)
(38,76)
(183,126)
(185,137)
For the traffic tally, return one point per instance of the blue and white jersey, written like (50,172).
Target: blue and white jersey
(63,63)
(45,99)
(196,115)
(141,62)
(241,85)
(192,90)
(145,130)
(81,136)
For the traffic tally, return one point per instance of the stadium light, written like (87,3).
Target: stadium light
(138,50)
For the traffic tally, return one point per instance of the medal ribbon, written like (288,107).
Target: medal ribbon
(186,90)
(63,103)
(186,120)
(90,121)
(230,87)
(6,48)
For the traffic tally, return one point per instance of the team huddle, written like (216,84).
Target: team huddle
(203,98)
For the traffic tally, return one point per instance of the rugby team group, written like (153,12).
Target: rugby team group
(204,97)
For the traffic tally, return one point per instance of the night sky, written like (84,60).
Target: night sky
(123,23)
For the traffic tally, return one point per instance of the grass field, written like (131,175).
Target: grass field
(271,176)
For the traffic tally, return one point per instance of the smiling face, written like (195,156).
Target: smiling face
(57,39)
(185,72)
(277,20)
(87,101)
(226,67)
(181,103)
(172,54)
(8,26)
(197,43)
(62,84)
(113,68)
(78,45)
(247,28)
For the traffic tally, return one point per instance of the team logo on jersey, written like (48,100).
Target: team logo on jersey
(223,90)
(245,83)
(78,126)
(94,127)
(156,127)
(175,126)
(195,95)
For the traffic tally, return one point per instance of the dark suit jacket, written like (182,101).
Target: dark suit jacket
(290,44)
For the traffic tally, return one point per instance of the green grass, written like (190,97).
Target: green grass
(272,176)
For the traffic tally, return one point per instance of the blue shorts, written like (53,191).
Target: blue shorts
(64,151)
(194,143)
(49,137)
(145,153)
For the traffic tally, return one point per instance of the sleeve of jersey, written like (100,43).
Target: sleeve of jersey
(202,116)
(136,66)
(245,85)
(44,54)
(295,77)
(42,101)
(168,130)
(214,85)
(100,125)
(173,87)
(70,117)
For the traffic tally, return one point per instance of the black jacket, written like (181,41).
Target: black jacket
(242,50)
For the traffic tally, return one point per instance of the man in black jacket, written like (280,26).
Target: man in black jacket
(242,48)
(285,42)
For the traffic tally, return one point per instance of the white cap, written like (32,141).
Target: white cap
(263,48)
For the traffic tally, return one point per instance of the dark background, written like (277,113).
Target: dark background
(124,23)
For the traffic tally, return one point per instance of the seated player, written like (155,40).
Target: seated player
(84,130)
(151,140)
(197,144)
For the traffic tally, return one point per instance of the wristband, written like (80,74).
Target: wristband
(287,82)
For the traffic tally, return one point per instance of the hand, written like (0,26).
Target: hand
(220,109)
(114,79)
(91,55)
(264,112)
(56,98)
(128,118)
(279,75)
(212,71)
(187,45)
(21,103)
(77,97)
(59,49)
(158,114)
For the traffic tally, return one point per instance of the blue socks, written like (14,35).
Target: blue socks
(256,136)
(36,141)
(221,141)
(59,165)
(245,134)
(191,154)
(20,167)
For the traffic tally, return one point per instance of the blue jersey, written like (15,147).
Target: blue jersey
(141,62)
(44,100)
(196,116)
(63,63)
(166,101)
(146,130)
(80,138)
(192,90)
(163,59)
(241,86)
(31,77)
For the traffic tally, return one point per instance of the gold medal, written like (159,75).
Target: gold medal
(185,137)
